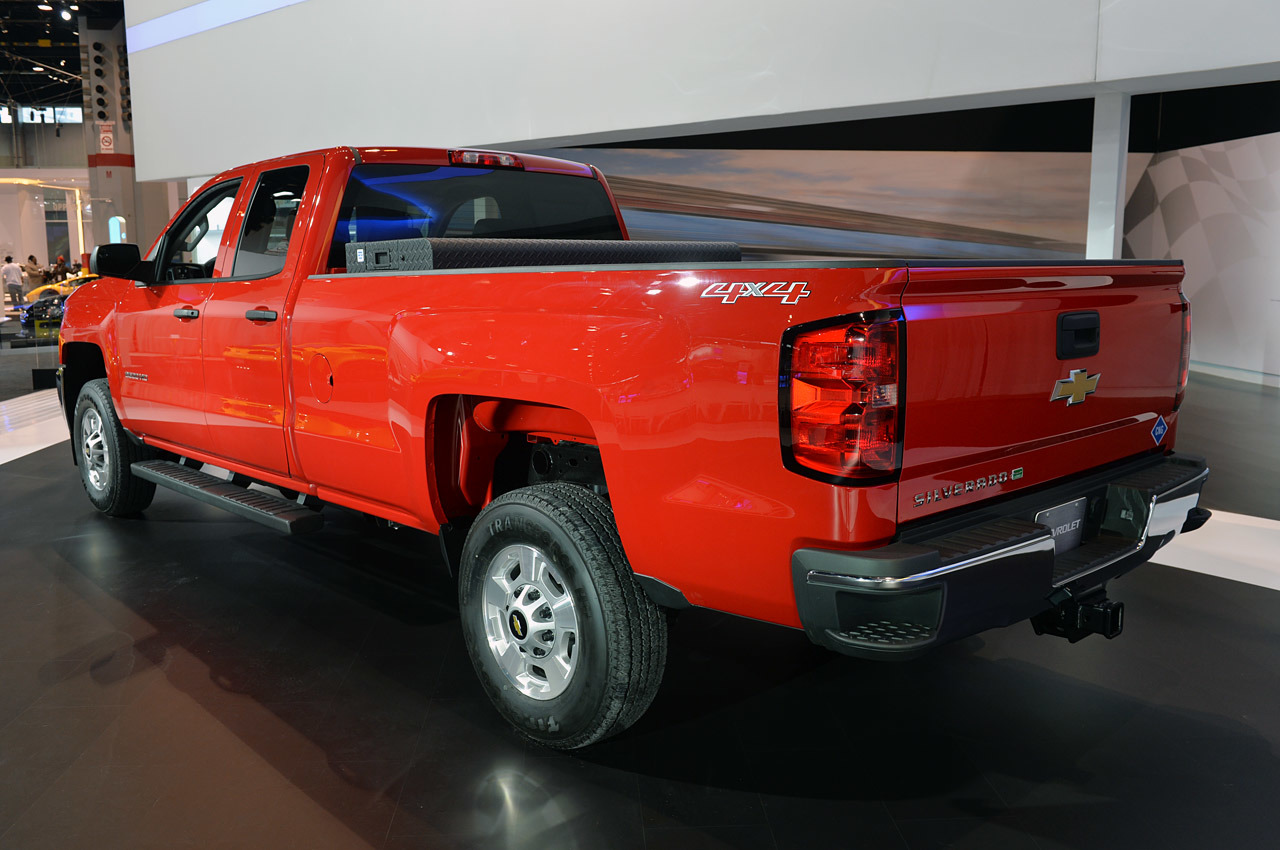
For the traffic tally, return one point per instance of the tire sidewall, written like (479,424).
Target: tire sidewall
(578,708)
(91,397)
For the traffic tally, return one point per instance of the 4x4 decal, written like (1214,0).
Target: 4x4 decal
(790,293)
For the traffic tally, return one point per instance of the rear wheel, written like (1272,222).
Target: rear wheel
(105,453)
(564,640)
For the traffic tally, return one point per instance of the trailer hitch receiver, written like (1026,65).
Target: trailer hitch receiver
(1075,619)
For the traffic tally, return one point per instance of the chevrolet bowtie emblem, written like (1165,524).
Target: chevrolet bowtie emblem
(1075,386)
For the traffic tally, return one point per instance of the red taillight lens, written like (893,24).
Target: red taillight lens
(1184,368)
(844,395)
(485,159)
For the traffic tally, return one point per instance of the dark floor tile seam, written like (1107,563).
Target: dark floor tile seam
(896,827)
(884,807)
(773,836)
(987,780)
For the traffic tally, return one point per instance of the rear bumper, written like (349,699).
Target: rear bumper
(991,567)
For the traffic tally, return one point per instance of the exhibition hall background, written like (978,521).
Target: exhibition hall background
(562,74)
(190,678)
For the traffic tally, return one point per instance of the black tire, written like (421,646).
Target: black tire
(621,636)
(105,453)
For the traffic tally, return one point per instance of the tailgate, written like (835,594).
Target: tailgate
(993,408)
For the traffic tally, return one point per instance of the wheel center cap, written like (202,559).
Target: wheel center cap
(518,625)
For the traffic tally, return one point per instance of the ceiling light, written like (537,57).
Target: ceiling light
(45,7)
(37,69)
(66,16)
(75,8)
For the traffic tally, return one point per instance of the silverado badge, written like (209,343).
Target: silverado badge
(1075,386)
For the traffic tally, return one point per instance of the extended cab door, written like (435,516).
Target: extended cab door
(245,318)
(159,326)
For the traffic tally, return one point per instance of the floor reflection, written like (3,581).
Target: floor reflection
(188,680)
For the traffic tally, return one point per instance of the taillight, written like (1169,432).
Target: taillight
(485,159)
(841,397)
(1184,367)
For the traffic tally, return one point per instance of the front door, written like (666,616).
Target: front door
(159,325)
(245,320)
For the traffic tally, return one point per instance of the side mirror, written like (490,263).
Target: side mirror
(120,260)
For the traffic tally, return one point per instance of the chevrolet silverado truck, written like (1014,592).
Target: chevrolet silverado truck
(887,454)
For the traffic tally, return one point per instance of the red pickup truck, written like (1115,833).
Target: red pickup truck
(887,454)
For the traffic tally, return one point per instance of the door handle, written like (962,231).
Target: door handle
(260,315)
(187,313)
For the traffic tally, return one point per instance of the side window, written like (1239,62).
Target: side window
(268,225)
(191,246)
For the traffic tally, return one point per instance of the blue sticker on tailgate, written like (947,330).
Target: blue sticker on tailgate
(1160,429)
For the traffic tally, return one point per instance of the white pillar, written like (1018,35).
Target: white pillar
(1106,175)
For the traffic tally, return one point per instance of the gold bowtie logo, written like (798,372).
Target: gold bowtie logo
(1075,386)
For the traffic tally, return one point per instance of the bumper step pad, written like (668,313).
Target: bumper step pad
(983,539)
(886,633)
(272,511)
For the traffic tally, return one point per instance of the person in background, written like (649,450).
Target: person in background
(12,274)
(59,271)
(35,274)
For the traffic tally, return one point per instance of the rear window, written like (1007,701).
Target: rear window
(403,201)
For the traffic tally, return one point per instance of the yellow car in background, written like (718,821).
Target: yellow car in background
(62,287)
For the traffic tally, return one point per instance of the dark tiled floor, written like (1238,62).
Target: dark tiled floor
(188,680)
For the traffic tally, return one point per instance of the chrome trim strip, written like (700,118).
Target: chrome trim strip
(1162,517)
(1037,544)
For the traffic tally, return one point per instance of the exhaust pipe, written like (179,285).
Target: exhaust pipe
(1076,619)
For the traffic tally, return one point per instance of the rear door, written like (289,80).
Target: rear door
(1020,376)
(245,318)
(159,326)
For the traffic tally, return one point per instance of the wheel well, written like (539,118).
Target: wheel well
(82,362)
(482,447)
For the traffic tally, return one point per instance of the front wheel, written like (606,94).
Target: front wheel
(105,454)
(564,640)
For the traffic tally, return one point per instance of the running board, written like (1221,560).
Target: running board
(272,511)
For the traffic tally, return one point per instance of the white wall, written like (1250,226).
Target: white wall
(426,72)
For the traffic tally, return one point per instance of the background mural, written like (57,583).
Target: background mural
(1217,208)
(843,203)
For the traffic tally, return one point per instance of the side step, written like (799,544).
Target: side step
(272,511)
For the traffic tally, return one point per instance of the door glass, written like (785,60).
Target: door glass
(191,248)
(264,240)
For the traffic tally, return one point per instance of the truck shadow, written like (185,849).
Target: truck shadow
(337,660)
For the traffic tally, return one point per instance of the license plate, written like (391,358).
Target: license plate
(1067,524)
